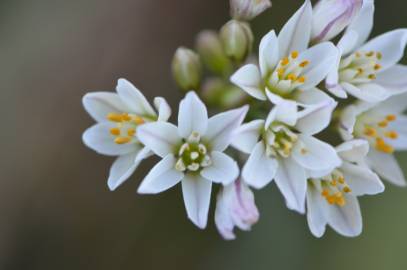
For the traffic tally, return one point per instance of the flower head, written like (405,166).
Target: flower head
(192,153)
(332,198)
(119,117)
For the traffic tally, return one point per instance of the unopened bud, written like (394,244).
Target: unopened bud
(332,16)
(210,49)
(187,69)
(237,40)
(246,10)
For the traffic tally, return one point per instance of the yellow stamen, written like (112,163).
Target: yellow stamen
(304,64)
(381,145)
(392,135)
(377,66)
(294,54)
(325,193)
(379,55)
(347,190)
(371,132)
(115,131)
(131,132)
(333,183)
(383,124)
(139,120)
(341,201)
(360,71)
(285,61)
(291,77)
(302,79)
(391,117)
(372,76)
(122,140)
(370,54)
(331,199)
(341,180)
(114,117)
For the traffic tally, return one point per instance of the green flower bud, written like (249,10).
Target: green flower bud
(222,94)
(237,40)
(187,69)
(211,51)
(246,10)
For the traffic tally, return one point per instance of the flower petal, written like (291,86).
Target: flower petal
(268,53)
(387,167)
(400,126)
(259,169)
(322,59)
(247,136)
(99,139)
(197,195)
(248,78)
(222,127)
(164,110)
(160,137)
(361,180)
(224,169)
(316,211)
(292,182)
(134,99)
(162,176)
(363,23)
(346,220)
(314,154)
(192,116)
(296,33)
(391,45)
(367,92)
(100,104)
(353,151)
(284,111)
(393,79)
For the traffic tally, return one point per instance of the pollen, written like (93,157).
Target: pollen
(377,66)
(114,117)
(379,55)
(370,54)
(370,132)
(122,140)
(138,120)
(131,132)
(292,77)
(294,54)
(115,131)
(360,71)
(382,146)
(391,117)
(347,189)
(285,61)
(280,72)
(372,76)
(304,64)
(302,79)
(392,135)
(383,124)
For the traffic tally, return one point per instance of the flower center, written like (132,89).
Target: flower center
(377,132)
(126,125)
(334,188)
(280,141)
(192,155)
(360,67)
(287,75)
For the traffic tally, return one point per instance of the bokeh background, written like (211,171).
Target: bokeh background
(55,207)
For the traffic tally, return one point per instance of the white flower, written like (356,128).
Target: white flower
(332,199)
(369,71)
(235,207)
(285,153)
(119,116)
(192,153)
(248,9)
(385,128)
(288,70)
(330,17)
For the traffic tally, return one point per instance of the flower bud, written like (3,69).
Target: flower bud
(210,49)
(246,10)
(187,69)
(237,40)
(235,207)
(332,16)
(219,93)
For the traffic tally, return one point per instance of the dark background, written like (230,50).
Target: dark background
(56,210)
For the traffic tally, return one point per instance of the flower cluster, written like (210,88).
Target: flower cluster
(320,119)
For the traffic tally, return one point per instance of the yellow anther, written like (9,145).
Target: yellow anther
(341,201)
(382,146)
(115,131)
(302,79)
(325,193)
(360,71)
(138,120)
(114,117)
(341,180)
(347,189)
(391,117)
(294,54)
(358,54)
(392,135)
(333,183)
(304,151)
(383,124)
(377,66)
(126,117)
(131,132)
(292,77)
(372,76)
(304,63)
(280,72)
(122,140)
(285,61)
(370,54)
(331,199)
(371,132)
(379,55)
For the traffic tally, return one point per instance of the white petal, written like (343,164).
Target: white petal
(248,78)
(353,151)
(346,220)
(100,104)
(134,99)
(164,110)
(394,105)
(314,154)
(295,34)
(292,182)
(259,169)
(161,137)
(400,126)
(391,45)
(367,92)
(192,116)
(197,195)
(393,79)
(316,212)
(247,136)
(317,114)
(347,122)
(387,167)
(268,53)
(98,138)
(361,180)
(285,110)
(223,126)
(348,42)
(322,58)
(162,176)
(223,219)
(223,170)
(363,23)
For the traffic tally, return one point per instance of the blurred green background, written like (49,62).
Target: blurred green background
(56,210)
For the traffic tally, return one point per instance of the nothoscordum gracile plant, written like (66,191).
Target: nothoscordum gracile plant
(279,113)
